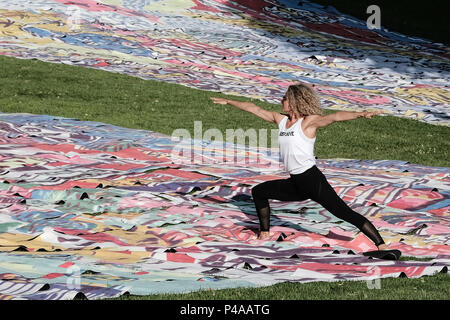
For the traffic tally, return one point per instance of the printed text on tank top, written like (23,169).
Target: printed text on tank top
(303,131)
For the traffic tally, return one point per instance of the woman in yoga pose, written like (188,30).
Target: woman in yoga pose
(302,116)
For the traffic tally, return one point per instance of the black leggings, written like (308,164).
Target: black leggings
(311,184)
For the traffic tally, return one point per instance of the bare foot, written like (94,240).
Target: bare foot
(264,235)
(383,246)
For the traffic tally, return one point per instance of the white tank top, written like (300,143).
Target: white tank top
(296,149)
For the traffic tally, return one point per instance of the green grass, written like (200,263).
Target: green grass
(427,287)
(31,86)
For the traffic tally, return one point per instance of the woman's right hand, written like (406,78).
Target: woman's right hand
(219,100)
(370,114)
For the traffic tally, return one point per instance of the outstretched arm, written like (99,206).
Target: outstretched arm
(270,116)
(323,121)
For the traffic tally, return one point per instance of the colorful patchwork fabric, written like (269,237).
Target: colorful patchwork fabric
(95,210)
(248,48)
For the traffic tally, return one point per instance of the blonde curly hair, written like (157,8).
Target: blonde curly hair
(303,100)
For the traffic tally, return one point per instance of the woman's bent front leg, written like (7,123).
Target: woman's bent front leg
(283,190)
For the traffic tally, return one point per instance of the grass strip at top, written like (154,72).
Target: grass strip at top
(32,86)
